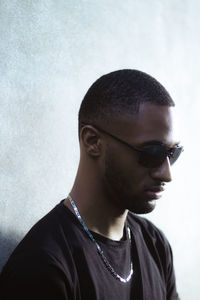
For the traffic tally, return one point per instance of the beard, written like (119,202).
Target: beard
(124,190)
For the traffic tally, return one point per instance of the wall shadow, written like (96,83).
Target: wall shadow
(8,243)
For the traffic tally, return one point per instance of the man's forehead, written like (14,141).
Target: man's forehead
(152,123)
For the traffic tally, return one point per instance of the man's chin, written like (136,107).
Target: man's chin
(146,208)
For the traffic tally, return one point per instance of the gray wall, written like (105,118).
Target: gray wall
(50,53)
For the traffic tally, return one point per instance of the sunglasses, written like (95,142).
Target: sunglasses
(150,156)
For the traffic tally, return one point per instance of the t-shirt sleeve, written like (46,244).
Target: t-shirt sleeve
(170,277)
(39,277)
(160,249)
(166,258)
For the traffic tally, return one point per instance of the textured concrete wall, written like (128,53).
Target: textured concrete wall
(50,53)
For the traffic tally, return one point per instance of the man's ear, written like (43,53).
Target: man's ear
(90,139)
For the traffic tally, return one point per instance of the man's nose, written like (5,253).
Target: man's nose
(163,172)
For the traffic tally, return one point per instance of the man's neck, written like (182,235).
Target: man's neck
(99,215)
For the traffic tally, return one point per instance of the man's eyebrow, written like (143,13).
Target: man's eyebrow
(160,143)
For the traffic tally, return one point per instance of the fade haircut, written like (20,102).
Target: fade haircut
(121,92)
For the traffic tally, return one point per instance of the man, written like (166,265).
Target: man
(93,245)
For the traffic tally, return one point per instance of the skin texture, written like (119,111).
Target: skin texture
(110,181)
(131,185)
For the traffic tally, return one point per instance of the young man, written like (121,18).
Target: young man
(93,245)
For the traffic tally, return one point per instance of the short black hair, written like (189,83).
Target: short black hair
(121,92)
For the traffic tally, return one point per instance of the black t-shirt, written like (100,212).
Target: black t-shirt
(57,260)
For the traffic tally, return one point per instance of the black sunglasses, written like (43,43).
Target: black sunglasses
(151,156)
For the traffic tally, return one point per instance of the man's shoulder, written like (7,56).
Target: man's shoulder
(55,220)
(47,227)
(145,228)
(151,242)
(46,243)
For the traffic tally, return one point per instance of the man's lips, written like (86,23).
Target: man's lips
(154,192)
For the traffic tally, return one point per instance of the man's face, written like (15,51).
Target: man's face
(129,184)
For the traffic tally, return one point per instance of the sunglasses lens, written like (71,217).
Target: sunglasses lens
(154,156)
(176,151)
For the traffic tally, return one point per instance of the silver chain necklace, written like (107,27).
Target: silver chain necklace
(100,251)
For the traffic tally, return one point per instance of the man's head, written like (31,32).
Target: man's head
(125,123)
(121,92)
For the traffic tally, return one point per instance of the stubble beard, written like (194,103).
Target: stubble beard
(120,191)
